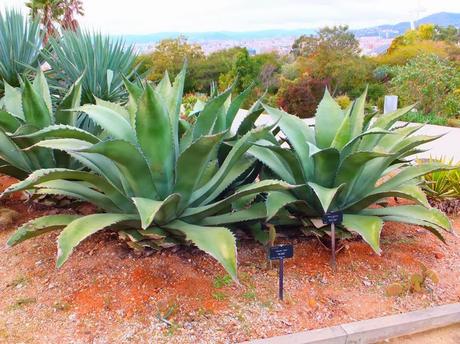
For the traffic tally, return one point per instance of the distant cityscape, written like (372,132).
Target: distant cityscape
(373,41)
(370,46)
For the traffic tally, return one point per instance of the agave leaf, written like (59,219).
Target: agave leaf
(147,209)
(255,212)
(351,166)
(131,163)
(357,115)
(436,230)
(211,191)
(276,200)
(325,195)
(40,226)
(386,121)
(12,154)
(236,105)
(158,212)
(111,121)
(77,190)
(232,159)
(298,134)
(40,86)
(12,101)
(95,162)
(406,191)
(9,122)
(418,212)
(329,117)
(199,213)
(191,165)
(61,131)
(273,161)
(369,227)
(97,182)
(83,227)
(155,135)
(36,111)
(71,100)
(205,238)
(208,116)
(325,165)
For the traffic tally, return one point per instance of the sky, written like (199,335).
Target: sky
(151,16)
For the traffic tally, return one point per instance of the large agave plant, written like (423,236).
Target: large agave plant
(20,44)
(159,188)
(349,162)
(103,60)
(27,116)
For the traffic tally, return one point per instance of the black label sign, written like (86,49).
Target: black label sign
(335,217)
(281,252)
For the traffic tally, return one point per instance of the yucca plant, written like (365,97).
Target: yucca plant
(157,187)
(20,45)
(28,116)
(102,60)
(349,162)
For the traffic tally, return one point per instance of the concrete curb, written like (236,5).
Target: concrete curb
(374,330)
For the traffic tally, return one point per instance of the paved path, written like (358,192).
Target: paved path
(444,335)
(448,145)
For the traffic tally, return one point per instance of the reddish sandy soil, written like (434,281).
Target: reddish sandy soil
(107,294)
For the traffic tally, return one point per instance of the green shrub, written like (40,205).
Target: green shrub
(347,163)
(431,81)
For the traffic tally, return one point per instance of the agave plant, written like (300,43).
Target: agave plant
(349,162)
(20,44)
(442,184)
(102,60)
(26,117)
(157,187)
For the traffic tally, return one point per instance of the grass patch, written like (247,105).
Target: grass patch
(20,280)
(219,296)
(23,301)
(418,117)
(222,281)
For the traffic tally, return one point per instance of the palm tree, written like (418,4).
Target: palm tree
(56,13)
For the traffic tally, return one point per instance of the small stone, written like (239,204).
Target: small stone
(438,255)
(367,283)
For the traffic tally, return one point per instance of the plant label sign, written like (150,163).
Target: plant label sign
(335,217)
(281,252)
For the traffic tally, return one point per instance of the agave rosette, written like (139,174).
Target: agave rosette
(349,162)
(156,186)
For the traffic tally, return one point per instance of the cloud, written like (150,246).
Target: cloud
(147,16)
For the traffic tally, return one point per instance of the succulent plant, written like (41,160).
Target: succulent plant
(349,162)
(158,187)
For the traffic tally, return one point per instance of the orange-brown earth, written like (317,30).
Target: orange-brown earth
(105,293)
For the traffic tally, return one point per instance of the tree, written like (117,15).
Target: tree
(337,38)
(55,15)
(169,55)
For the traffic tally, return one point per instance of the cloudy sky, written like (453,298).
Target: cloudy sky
(149,16)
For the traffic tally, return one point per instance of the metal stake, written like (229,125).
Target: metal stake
(281,272)
(333,264)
